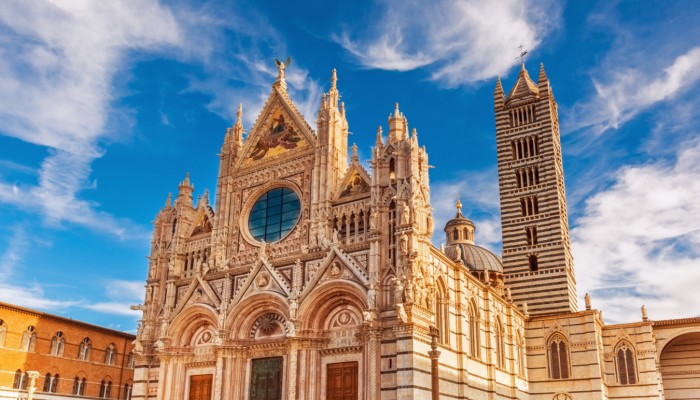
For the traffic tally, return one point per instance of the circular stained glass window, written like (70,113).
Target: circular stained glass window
(274,215)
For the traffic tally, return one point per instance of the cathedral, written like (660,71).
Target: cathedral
(312,278)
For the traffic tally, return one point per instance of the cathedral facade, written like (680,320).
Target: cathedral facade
(313,278)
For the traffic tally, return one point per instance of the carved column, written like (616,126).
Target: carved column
(370,336)
(292,372)
(434,355)
(218,379)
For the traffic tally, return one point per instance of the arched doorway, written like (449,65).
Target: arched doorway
(680,367)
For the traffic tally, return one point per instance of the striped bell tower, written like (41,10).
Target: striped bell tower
(537,260)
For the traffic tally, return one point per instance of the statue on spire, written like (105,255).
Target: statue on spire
(281,67)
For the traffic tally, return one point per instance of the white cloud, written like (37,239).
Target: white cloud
(58,61)
(622,93)
(638,242)
(459,41)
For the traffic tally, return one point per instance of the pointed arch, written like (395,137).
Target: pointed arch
(500,346)
(111,354)
(625,363)
(3,333)
(442,312)
(520,355)
(558,357)
(29,338)
(85,349)
(474,330)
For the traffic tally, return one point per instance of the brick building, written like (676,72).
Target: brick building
(73,358)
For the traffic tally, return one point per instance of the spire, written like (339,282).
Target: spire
(542,80)
(333,95)
(414,136)
(355,158)
(498,93)
(380,141)
(397,125)
(185,191)
(238,126)
(524,86)
(169,200)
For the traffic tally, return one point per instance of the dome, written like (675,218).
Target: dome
(476,258)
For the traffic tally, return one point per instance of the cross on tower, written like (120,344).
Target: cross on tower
(522,54)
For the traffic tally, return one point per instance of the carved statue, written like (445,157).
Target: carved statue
(587,299)
(290,328)
(406,214)
(373,220)
(281,66)
(645,316)
(372,297)
(404,243)
(430,224)
(398,290)
(336,236)
(401,312)
(458,253)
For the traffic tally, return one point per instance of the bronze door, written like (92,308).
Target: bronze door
(342,381)
(266,379)
(200,387)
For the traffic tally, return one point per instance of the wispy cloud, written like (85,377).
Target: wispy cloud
(639,236)
(57,66)
(623,93)
(459,42)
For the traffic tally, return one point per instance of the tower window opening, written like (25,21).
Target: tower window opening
(531,235)
(392,170)
(558,358)
(625,361)
(532,261)
(392,233)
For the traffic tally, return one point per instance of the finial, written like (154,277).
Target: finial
(396,110)
(414,134)
(205,196)
(459,205)
(281,67)
(334,79)
(186,182)
(169,200)
(522,57)
(354,152)
(239,112)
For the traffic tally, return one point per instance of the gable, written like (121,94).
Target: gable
(279,131)
(355,184)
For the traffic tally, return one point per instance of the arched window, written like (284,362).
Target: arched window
(3,333)
(110,354)
(474,331)
(625,361)
(58,343)
(442,313)
(51,383)
(127,392)
(28,340)
(105,389)
(20,381)
(79,386)
(84,350)
(130,361)
(500,345)
(520,355)
(392,169)
(558,357)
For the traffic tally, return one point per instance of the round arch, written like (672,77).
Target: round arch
(318,305)
(680,360)
(242,317)
(189,321)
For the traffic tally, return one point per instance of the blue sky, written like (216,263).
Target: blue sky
(104,106)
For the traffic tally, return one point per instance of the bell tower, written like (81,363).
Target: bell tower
(537,260)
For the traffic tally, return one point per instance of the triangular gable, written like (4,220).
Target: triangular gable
(279,130)
(355,184)
(275,281)
(324,269)
(208,295)
(203,222)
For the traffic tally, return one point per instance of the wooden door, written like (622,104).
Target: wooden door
(342,381)
(266,379)
(200,387)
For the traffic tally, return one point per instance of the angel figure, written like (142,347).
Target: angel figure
(281,66)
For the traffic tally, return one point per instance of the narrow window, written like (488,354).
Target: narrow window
(110,354)
(84,350)
(442,314)
(528,236)
(3,334)
(500,345)
(625,360)
(47,383)
(474,331)
(18,383)
(558,358)
(392,169)
(532,262)
(76,386)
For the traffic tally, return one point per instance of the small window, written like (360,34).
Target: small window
(84,350)
(20,381)
(500,345)
(105,389)
(51,383)
(474,331)
(110,354)
(532,261)
(130,360)
(127,392)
